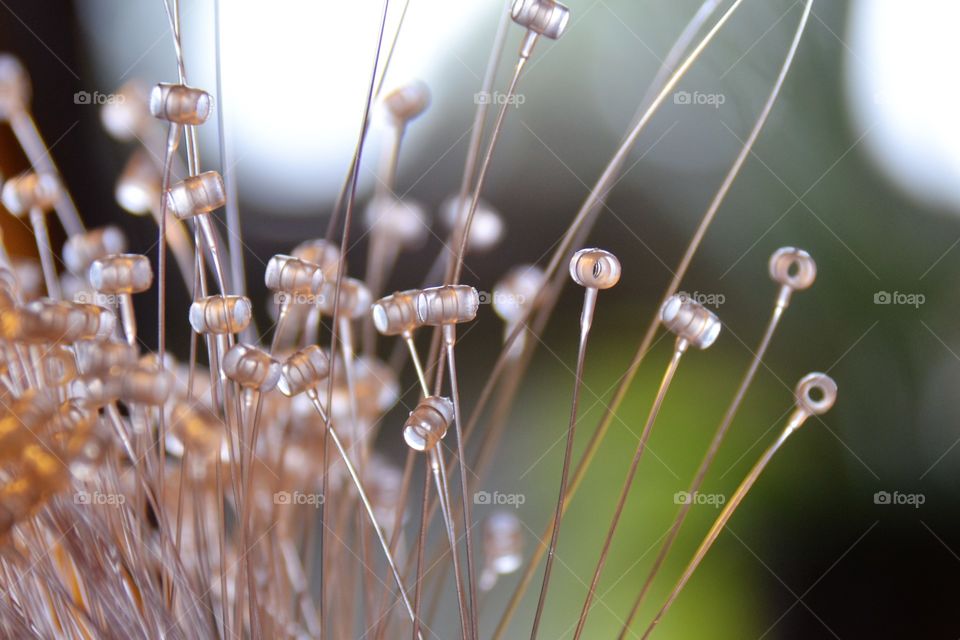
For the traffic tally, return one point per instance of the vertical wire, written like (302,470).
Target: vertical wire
(471,582)
(796,419)
(421,543)
(484,167)
(440,474)
(338,203)
(691,250)
(42,237)
(234,230)
(479,117)
(590,297)
(705,464)
(342,267)
(173,137)
(31,141)
(368,507)
(678,351)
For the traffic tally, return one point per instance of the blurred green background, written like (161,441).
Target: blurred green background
(809,554)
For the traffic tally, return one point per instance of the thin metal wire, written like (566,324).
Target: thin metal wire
(42,238)
(227,169)
(368,507)
(589,304)
(450,331)
(796,420)
(597,194)
(707,461)
(678,351)
(348,179)
(31,141)
(341,272)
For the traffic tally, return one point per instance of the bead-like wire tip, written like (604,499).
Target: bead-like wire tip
(80,250)
(408,101)
(30,190)
(303,370)
(690,321)
(545,17)
(196,195)
(816,393)
(449,304)
(220,314)
(121,273)
(293,276)
(793,269)
(595,269)
(14,86)
(251,367)
(180,104)
(403,221)
(397,313)
(428,423)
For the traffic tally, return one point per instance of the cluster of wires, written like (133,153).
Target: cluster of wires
(237,493)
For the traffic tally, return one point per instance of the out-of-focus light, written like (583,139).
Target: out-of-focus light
(901,81)
(296,78)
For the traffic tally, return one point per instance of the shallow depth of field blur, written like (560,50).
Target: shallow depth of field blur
(859,164)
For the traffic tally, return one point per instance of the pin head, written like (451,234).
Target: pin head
(320,252)
(303,370)
(289,275)
(595,269)
(196,195)
(14,86)
(251,367)
(428,423)
(397,313)
(30,190)
(354,298)
(180,104)
(146,384)
(408,101)
(487,226)
(546,17)
(503,542)
(516,291)
(220,314)
(100,358)
(793,268)
(815,393)
(403,221)
(690,321)
(138,187)
(81,249)
(449,304)
(125,117)
(61,322)
(121,273)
